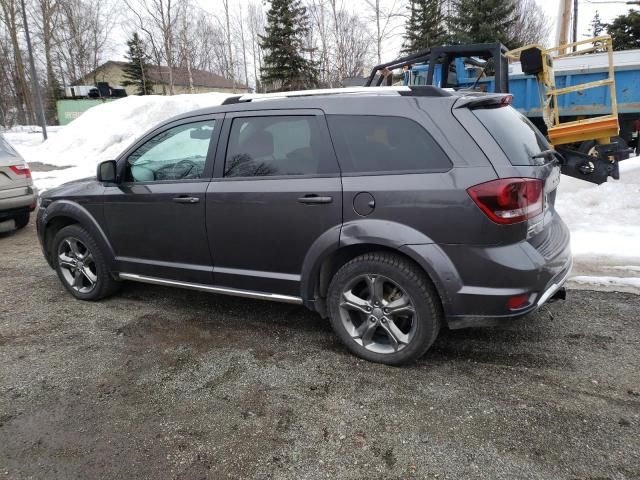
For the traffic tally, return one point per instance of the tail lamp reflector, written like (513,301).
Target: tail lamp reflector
(509,200)
(21,170)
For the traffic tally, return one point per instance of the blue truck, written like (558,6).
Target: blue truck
(568,72)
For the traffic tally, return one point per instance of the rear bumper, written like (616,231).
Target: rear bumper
(18,204)
(476,283)
(540,298)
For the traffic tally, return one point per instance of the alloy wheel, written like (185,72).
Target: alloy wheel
(378,314)
(77,265)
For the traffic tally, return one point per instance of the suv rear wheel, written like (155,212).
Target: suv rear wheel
(384,308)
(81,265)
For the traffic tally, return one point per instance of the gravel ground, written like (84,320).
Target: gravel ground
(161,383)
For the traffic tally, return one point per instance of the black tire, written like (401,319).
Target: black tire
(105,285)
(21,220)
(588,145)
(412,281)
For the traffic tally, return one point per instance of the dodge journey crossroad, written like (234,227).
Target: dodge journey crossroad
(392,211)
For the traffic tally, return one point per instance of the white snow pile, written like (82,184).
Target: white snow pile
(101,133)
(605,229)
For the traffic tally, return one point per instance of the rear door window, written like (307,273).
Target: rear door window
(519,139)
(368,144)
(274,146)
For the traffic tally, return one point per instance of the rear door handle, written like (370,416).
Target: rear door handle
(314,199)
(185,199)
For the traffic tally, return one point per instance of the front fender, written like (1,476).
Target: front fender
(79,214)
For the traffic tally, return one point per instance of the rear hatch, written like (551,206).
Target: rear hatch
(529,175)
(15,176)
(523,145)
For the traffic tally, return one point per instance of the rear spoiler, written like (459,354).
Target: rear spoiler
(484,100)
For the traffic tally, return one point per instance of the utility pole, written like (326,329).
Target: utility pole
(575,23)
(564,16)
(34,75)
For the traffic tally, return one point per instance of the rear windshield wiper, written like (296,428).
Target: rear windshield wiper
(549,153)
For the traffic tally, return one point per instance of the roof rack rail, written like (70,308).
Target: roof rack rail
(252,97)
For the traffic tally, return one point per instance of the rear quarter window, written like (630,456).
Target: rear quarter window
(385,144)
(7,149)
(518,138)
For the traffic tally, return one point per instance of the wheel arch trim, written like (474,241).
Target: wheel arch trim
(81,216)
(384,235)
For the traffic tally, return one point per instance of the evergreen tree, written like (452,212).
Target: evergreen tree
(625,31)
(285,67)
(424,27)
(484,21)
(135,71)
(597,26)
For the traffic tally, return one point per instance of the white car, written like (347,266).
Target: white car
(17,193)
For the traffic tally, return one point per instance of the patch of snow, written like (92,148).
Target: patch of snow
(604,220)
(101,133)
(627,268)
(633,282)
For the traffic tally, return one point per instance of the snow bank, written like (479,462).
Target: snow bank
(100,133)
(604,220)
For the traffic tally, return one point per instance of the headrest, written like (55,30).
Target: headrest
(258,145)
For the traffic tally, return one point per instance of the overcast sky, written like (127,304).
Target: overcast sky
(586,11)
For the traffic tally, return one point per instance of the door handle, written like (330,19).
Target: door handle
(313,199)
(186,199)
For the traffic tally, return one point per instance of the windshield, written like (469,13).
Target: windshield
(519,139)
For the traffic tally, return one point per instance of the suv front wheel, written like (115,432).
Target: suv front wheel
(81,265)
(384,308)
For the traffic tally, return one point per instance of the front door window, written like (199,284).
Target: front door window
(178,153)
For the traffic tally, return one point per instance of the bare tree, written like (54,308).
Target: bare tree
(532,25)
(11,19)
(244,47)
(161,20)
(255,19)
(384,15)
(83,36)
(47,15)
(231,69)
(322,30)
(8,96)
(343,44)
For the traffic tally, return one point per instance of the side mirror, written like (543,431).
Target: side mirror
(107,171)
(201,133)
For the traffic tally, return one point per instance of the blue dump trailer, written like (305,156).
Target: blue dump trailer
(463,73)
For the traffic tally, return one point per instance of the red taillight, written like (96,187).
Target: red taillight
(518,301)
(509,200)
(21,170)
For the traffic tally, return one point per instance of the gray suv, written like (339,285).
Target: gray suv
(392,211)
(17,194)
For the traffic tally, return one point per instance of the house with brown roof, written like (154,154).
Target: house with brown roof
(203,82)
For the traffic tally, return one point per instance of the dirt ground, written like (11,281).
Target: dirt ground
(160,383)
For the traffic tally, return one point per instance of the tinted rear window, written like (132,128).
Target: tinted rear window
(375,144)
(516,135)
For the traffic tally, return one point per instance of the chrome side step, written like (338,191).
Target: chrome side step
(208,288)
